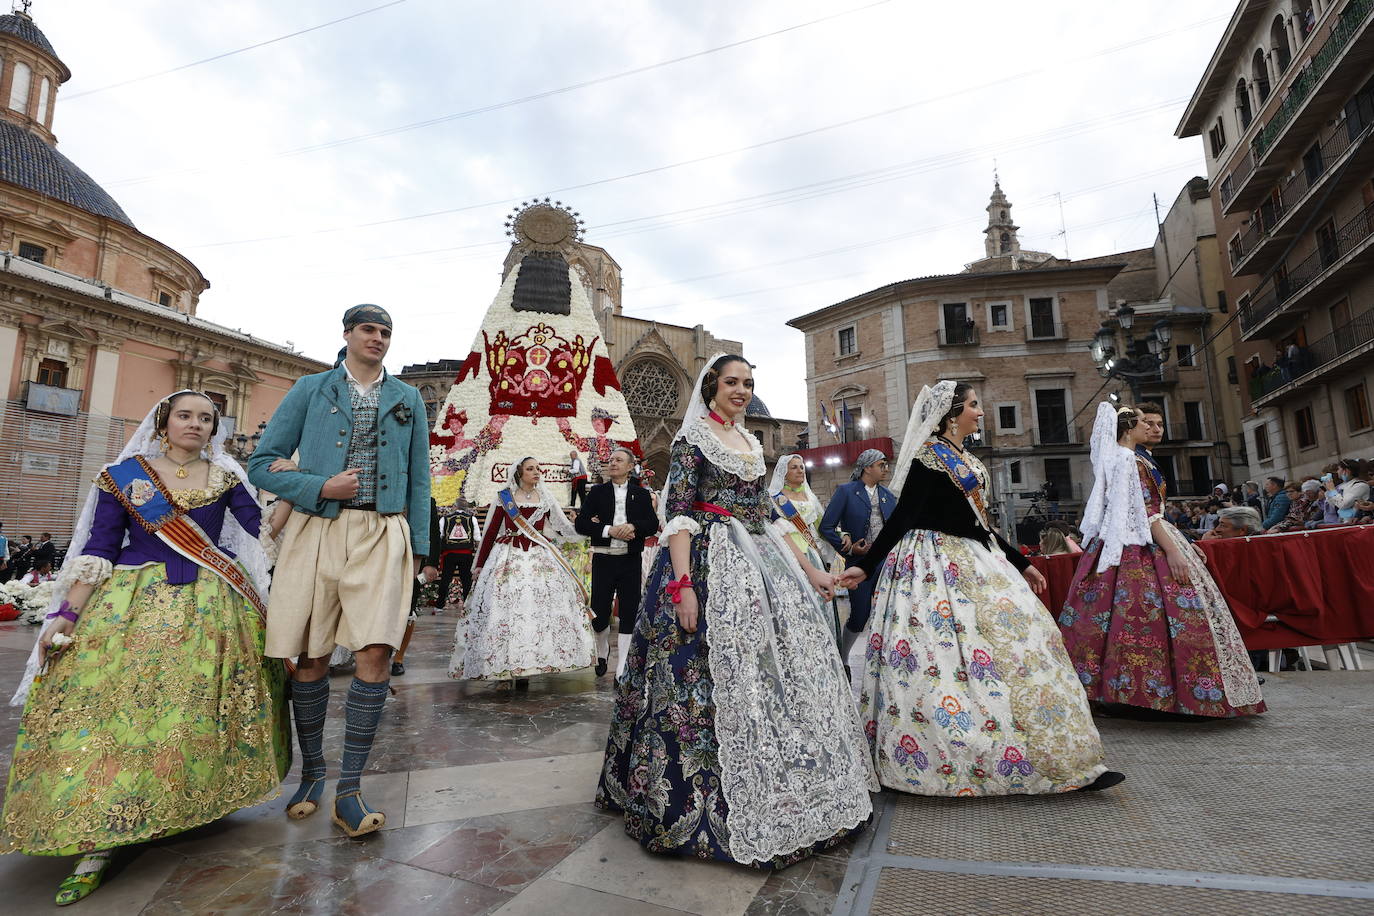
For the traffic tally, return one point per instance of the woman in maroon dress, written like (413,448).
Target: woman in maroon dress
(1145,623)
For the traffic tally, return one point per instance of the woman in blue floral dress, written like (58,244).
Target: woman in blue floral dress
(735,736)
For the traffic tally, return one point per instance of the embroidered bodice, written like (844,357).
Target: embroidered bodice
(1152,488)
(944,492)
(705,470)
(500,529)
(206,507)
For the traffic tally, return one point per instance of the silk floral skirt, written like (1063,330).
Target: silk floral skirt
(1138,637)
(525,616)
(162,716)
(967,689)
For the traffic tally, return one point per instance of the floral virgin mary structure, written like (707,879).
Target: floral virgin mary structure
(538,379)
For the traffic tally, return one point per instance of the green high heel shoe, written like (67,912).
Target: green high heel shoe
(84,879)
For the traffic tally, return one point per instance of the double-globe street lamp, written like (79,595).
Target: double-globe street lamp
(1140,360)
(242,445)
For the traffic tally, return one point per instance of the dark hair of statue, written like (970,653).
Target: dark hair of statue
(165,406)
(711,379)
(1126,421)
(961,390)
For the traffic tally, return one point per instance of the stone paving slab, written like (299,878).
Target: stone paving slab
(903,892)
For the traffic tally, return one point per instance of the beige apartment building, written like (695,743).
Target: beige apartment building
(1285,108)
(1018,325)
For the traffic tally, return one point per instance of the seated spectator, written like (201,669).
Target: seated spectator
(1279,502)
(1251,496)
(1235,522)
(1175,516)
(1300,499)
(1221,495)
(1351,489)
(1057,538)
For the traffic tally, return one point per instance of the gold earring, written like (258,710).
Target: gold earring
(166,443)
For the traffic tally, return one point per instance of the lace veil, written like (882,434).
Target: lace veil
(696,410)
(931,405)
(244,545)
(1115,513)
(549,510)
(779,478)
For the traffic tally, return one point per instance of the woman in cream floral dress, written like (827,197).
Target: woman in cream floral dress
(968,690)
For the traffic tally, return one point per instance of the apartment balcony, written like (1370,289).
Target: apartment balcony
(1344,153)
(958,337)
(1191,488)
(1046,330)
(1057,435)
(1347,344)
(1186,434)
(1164,375)
(1310,94)
(1279,305)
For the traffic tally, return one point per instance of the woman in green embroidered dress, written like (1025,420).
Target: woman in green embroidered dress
(150,709)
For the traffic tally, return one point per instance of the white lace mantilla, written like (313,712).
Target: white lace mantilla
(1238,678)
(794,761)
(1116,508)
(745,466)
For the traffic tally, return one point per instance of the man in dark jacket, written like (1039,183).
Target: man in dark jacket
(851,524)
(617,516)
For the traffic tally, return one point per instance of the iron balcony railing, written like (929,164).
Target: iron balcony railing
(1269,215)
(1288,282)
(1046,330)
(958,336)
(1186,432)
(1057,435)
(1333,346)
(1351,21)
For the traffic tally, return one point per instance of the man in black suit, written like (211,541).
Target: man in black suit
(617,516)
(45,551)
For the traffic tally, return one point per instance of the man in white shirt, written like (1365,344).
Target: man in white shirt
(578,472)
(617,516)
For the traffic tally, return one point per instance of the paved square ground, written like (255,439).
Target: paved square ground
(488,801)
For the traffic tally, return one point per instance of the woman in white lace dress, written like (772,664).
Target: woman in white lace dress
(797,512)
(735,736)
(527,613)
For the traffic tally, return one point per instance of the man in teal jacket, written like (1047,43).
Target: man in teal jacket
(349,554)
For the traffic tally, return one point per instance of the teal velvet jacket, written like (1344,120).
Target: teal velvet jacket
(316,418)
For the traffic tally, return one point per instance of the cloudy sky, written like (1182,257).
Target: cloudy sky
(745,163)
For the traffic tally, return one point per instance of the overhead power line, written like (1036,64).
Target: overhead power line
(495,106)
(224,54)
(520,100)
(944,160)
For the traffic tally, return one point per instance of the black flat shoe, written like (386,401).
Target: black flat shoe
(600,667)
(397,669)
(1105,781)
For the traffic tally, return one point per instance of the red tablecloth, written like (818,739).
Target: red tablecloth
(1319,584)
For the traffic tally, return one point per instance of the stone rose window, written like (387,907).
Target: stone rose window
(651,390)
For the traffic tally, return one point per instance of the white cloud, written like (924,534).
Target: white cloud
(207,142)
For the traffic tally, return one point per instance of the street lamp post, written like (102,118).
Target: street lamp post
(243,445)
(1139,360)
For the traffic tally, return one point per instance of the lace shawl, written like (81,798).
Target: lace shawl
(1116,507)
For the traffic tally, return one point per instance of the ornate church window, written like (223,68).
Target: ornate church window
(651,390)
(19,87)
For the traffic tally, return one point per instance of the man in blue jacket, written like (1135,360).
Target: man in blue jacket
(351,549)
(851,524)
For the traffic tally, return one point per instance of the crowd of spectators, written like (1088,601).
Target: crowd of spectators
(1339,496)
